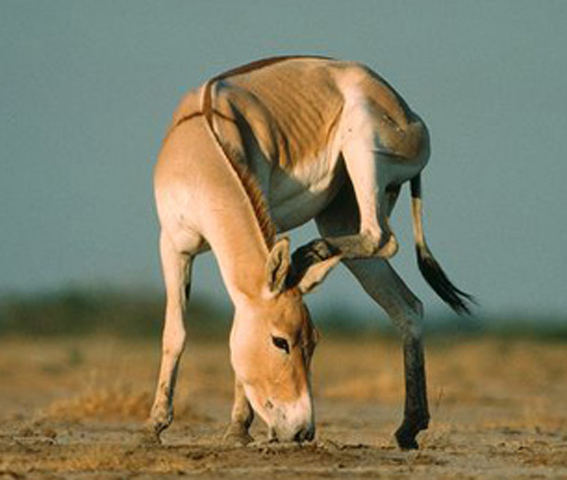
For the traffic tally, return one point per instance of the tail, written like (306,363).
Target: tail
(458,300)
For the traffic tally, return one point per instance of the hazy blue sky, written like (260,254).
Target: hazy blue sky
(87,89)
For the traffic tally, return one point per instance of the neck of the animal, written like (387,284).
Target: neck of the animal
(232,229)
(240,252)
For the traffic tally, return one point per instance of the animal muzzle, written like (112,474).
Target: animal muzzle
(303,434)
(294,422)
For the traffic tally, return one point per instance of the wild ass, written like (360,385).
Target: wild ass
(263,149)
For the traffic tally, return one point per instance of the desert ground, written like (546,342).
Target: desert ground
(73,408)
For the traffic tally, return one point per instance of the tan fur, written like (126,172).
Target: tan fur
(261,148)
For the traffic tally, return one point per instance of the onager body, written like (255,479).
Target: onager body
(263,149)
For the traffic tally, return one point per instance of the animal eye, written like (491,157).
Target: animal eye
(281,343)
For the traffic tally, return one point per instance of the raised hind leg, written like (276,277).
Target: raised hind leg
(382,283)
(368,170)
(176,272)
(355,242)
(241,418)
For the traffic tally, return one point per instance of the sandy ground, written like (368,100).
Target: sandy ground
(73,409)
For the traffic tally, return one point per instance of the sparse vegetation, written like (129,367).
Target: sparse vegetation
(79,312)
(75,407)
(127,314)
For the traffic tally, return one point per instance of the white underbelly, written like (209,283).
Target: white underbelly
(299,210)
(294,200)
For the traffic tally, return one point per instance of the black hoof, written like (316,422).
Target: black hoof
(314,252)
(406,440)
(305,256)
(407,433)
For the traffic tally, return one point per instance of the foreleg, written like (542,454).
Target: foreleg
(176,272)
(241,418)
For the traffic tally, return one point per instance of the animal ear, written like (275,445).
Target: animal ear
(316,273)
(278,265)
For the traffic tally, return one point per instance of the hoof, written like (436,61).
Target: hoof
(406,435)
(406,441)
(237,436)
(150,434)
(149,438)
(389,248)
(314,252)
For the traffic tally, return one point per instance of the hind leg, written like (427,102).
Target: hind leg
(368,174)
(382,283)
(373,193)
(347,242)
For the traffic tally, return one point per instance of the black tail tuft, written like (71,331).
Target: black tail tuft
(458,300)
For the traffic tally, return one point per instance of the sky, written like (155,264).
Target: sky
(87,90)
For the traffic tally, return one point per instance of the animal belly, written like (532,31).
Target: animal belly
(293,202)
(298,210)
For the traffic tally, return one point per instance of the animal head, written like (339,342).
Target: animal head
(272,342)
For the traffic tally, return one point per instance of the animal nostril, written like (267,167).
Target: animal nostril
(272,435)
(304,435)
